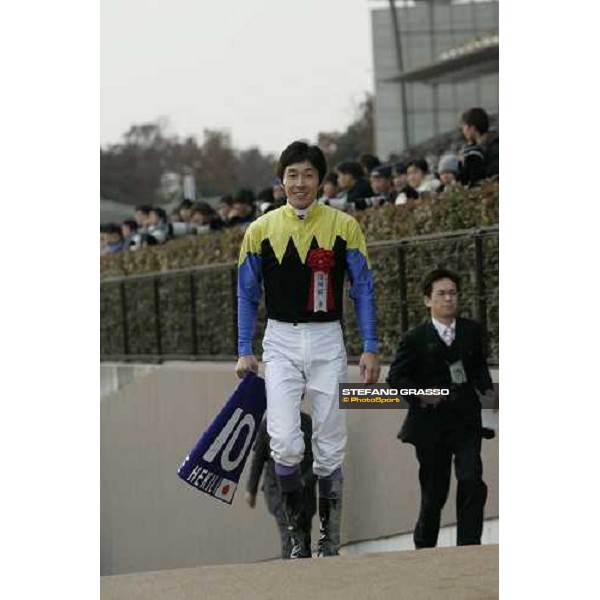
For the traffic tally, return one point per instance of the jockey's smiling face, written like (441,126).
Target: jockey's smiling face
(301,182)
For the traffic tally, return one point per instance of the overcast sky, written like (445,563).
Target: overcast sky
(269,71)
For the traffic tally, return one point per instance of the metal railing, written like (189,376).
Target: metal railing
(191,314)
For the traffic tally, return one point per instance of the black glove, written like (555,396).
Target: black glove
(487,433)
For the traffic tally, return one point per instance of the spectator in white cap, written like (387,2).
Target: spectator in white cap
(448,169)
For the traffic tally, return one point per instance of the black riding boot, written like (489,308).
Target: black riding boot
(293,504)
(330,516)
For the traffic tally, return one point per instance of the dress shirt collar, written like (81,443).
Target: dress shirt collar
(440,327)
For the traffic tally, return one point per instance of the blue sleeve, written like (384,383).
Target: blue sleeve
(248,291)
(362,293)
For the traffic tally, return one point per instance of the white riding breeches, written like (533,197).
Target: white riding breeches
(305,357)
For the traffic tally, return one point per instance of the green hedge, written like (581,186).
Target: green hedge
(215,307)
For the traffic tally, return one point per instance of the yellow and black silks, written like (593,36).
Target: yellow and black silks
(276,249)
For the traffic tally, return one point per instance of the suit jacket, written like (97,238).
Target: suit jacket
(422,361)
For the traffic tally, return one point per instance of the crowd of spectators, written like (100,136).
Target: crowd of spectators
(353,185)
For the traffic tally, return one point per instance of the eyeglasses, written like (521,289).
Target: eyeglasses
(442,293)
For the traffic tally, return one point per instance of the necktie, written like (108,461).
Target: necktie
(448,336)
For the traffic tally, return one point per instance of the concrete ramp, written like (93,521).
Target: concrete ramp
(463,573)
(152,521)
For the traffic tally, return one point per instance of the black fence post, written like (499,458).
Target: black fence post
(124,318)
(233,280)
(480,301)
(157,316)
(403,288)
(193,318)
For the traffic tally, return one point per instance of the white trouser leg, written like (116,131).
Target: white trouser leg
(309,356)
(327,368)
(284,379)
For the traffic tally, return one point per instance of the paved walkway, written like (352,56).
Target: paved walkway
(465,573)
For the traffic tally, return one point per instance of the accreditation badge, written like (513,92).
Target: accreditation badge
(457,372)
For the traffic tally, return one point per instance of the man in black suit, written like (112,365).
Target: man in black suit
(447,352)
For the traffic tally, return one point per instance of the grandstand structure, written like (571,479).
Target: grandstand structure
(433,59)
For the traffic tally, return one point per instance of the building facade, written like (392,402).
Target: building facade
(444,69)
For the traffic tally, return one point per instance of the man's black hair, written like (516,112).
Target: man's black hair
(144,208)
(265,195)
(111,228)
(436,275)
(244,196)
(160,213)
(419,163)
(369,161)
(133,226)
(478,118)
(298,152)
(384,171)
(331,177)
(185,204)
(351,167)
(399,168)
(203,208)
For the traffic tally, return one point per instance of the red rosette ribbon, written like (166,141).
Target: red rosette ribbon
(320,295)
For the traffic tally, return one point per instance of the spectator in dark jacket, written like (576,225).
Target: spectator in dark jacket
(404,192)
(142,236)
(158,226)
(262,464)
(481,154)
(185,210)
(382,186)
(142,216)
(224,207)
(205,218)
(368,162)
(242,209)
(129,230)
(279,198)
(351,180)
(265,200)
(399,176)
